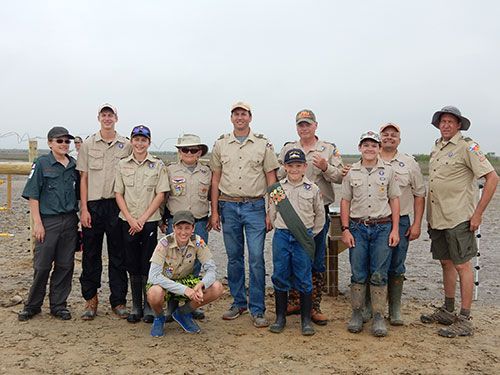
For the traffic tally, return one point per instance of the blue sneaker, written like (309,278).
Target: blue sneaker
(186,322)
(157,327)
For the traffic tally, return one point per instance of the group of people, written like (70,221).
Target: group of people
(246,190)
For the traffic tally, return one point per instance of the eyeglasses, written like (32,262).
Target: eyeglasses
(186,150)
(67,141)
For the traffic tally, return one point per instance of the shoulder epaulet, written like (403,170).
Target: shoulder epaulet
(437,141)
(223,136)
(410,156)
(164,241)
(87,137)
(287,143)
(193,237)
(467,139)
(204,163)
(259,135)
(333,144)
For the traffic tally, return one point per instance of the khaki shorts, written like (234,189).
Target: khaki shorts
(458,243)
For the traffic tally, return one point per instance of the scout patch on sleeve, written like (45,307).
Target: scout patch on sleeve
(474,148)
(336,151)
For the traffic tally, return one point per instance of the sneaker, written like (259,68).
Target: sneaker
(186,321)
(121,311)
(157,327)
(233,312)
(27,314)
(90,308)
(62,314)
(440,315)
(260,321)
(462,326)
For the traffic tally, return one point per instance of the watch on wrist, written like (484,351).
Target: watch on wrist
(343,228)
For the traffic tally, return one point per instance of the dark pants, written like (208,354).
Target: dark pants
(139,247)
(104,219)
(58,250)
(320,243)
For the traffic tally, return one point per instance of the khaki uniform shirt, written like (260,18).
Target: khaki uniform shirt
(99,160)
(140,183)
(189,190)
(369,192)
(306,200)
(453,168)
(410,180)
(243,165)
(324,180)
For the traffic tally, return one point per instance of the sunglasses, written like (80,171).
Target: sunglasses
(59,140)
(186,150)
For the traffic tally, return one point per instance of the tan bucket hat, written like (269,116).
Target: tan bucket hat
(191,140)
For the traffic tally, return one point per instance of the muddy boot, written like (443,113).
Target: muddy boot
(280,298)
(379,300)
(148,313)
(136,291)
(90,310)
(305,314)
(366,311)
(316,315)
(395,290)
(358,292)
(293,306)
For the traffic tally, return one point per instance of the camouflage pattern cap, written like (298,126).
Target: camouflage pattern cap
(370,134)
(306,115)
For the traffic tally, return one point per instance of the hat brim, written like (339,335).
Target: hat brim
(62,135)
(369,138)
(464,121)
(308,120)
(204,148)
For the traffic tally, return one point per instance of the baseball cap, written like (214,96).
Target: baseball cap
(306,115)
(295,155)
(57,132)
(191,140)
(369,135)
(388,125)
(141,130)
(107,105)
(464,122)
(183,217)
(242,105)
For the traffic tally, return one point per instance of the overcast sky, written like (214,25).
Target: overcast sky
(177,66)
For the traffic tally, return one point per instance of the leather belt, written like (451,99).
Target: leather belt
(227,198)
(368,222)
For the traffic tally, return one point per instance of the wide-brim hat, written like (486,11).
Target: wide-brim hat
(464,122)
(191,140)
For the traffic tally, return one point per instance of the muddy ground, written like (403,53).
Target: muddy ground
(111,345)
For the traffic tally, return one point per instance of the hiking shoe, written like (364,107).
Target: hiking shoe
(90,308)
(318,317)
(27,314)
(157,327)
(186,321)
(260,321)
(62,314)
(121,311)
(233,312)
(440,315)
(198,314)
(462,326)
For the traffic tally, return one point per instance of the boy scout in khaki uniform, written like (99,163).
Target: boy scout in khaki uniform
(304,217)
(243,166)
(324,168)
(369,213)
(140,186)
(452,213)
(170,275)
(97,162)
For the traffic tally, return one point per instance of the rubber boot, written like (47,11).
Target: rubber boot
(148,313)
(367,306)
(379,300)
(293,306)
(305,314)
(395,290)
(316,315)
(358,292)
(280,298)
(136,291)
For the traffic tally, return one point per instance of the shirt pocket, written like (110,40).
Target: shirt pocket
(203,187)
(357,187)
(403,177)
(96,159)
(128,177)
(381,186)
(151,178)
(306,198)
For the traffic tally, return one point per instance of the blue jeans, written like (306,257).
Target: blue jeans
(250,217)
(292,265)
(320,243)
(398,255)
(200,228)
(371,256)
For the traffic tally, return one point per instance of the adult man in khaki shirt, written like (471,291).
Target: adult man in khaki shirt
(456,163)
(243,166)
(324,168)
(412,200)
(97,160)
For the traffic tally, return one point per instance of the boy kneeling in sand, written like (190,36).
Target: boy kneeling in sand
(170,275)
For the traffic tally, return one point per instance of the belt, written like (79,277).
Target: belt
(201,219)
(368,222)
(227,198)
